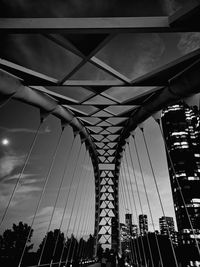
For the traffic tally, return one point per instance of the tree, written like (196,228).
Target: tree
(13,242)
(90,247)
(99,251)
(51,247)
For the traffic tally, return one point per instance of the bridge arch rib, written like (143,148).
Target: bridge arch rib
(182,85)
(178,79)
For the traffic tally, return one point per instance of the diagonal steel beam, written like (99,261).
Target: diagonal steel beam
(89,25)
(188,16)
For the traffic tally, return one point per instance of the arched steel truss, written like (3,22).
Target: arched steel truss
(173,82)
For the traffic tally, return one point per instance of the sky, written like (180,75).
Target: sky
(133,55)
(18,123)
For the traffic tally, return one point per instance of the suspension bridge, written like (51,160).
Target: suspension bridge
(60,67)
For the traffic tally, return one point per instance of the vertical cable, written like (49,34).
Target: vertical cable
(42,194)
(66,202)
(134,203)
(179,187)
(81,216)
(162,207)
(84,225)
(134,245)
(21,173)
(86,231)
(73,175)
(54,208)
(142,244)
(140,204)
(150,211)
(130,204)
(76,215)
(143,182)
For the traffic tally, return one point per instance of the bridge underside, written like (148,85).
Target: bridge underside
(57,65)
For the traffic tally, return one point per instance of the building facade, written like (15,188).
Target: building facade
(166,225)
(181,129)
(143,224)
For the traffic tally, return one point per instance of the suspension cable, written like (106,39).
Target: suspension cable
(134,204)
(84,225)
(73,175)
(133,245)
(76,216)
(86,230)
(162,207)
(147,198)
(65,207)
(67,199)
(54,208)
(42,194)
(21,173)
(148,202)
(179,188)
(82,219)
(82,216)
(127,187)
(5,99)
(142,243)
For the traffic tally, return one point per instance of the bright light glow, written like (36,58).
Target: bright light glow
(5,142)
(196,200)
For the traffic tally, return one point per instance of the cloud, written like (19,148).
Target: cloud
(188,42)
(25,130)
(24,177)
(44,215)
(23,192)
(25,189)
(10,162)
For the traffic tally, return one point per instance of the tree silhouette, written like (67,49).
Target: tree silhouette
(51,247)
(12,244)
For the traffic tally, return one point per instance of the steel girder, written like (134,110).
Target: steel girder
(184,84)
(106,172)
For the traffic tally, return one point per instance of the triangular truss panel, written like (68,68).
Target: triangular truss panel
(77,68)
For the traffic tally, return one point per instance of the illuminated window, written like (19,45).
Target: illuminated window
(196,200)
(191,178)
(184,146)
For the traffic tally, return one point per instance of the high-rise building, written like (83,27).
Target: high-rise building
(134,230)
(128,222)
(181,129)
(166,225)
(126,233)
(143,224)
